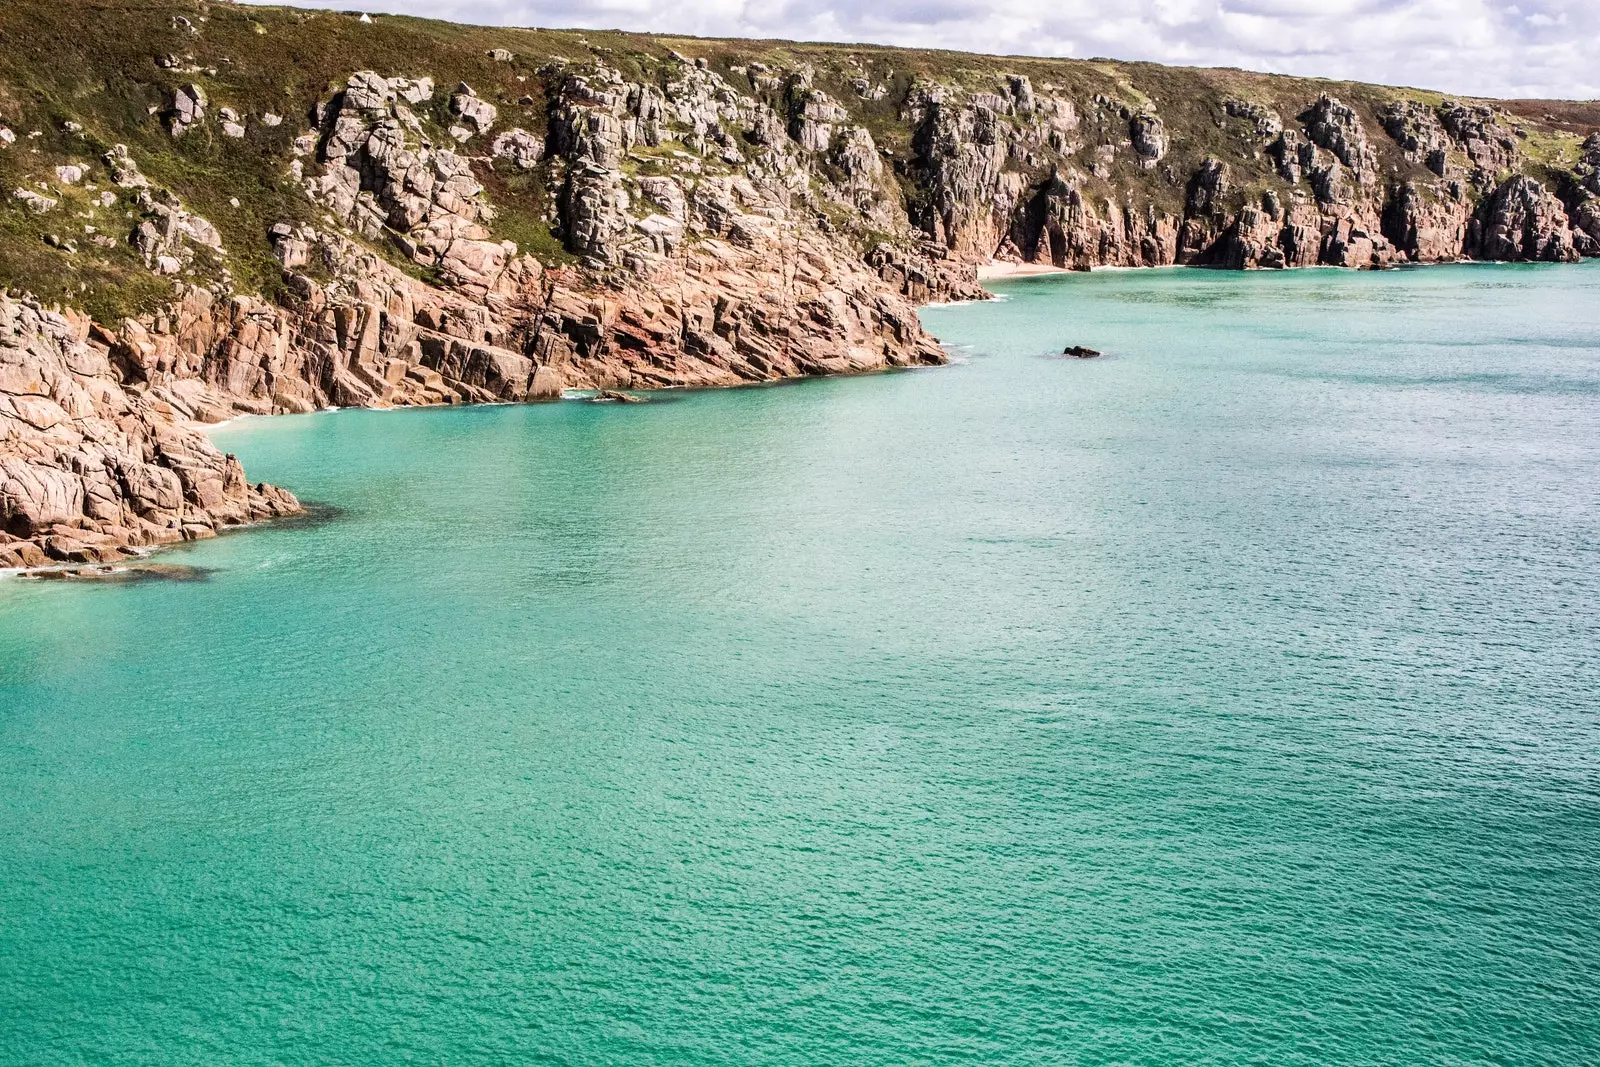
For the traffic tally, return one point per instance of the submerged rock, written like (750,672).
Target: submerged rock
(122,572)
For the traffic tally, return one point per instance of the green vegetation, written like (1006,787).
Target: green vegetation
(522,207)
(89,74)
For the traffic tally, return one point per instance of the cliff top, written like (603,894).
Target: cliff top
(78,77)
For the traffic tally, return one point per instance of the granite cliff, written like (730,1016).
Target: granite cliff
(212,210)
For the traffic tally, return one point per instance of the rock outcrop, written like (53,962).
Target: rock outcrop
(1022,186)
(1522,220)
(91,469)
(1583,198)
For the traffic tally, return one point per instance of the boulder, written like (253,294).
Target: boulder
(477,113)
(188,108)
(520,147)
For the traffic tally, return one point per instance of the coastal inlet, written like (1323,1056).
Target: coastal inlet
(1227,699)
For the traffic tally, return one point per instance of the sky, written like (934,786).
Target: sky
(1532,48)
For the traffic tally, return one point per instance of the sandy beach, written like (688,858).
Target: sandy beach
(992,270)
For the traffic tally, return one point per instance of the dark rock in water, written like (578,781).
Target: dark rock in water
(613,396)
(129,572)
(1079,351)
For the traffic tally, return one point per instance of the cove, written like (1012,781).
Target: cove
(1227,698)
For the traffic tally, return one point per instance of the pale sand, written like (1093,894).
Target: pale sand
(987,271)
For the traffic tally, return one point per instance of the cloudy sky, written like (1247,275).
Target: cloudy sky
(1529,48)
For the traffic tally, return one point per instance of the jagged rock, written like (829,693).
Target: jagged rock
(169,234)
(475,112)
(412,91)
(1265,120)
(1062,227)
(1426,228)
(856,155)
(1333,125)
(1022,98)
(1149,135)
(1487,143)
(667,194)
(37,203)
(520,147)
(90,471)
(1416,129)
(1587,170)
(958,146)
(378,175)
(1294,155)
(665,232)
(1353,242)
(1207,186)
(766,128)
(1583,206)
(595,210)
(1522,220)
(1327,182)
(124,171)
(188,108)
(813,116)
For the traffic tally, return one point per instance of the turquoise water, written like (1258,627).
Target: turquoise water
(1233,698)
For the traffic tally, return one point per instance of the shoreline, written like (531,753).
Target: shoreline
(139,562)
(995,270)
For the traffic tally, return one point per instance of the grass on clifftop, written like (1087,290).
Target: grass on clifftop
(111,66)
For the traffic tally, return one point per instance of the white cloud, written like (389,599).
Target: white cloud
(1535,48)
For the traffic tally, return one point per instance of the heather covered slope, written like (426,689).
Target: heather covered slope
(241,209)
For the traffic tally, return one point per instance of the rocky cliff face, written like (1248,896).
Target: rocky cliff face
(272,211)
(90,471)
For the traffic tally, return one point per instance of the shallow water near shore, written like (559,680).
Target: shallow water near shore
(1233,697)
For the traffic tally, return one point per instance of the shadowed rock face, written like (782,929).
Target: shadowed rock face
(1584,198)
(1522,221)
(1328,200)
(707,220)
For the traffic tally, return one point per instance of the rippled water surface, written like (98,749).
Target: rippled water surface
(1233,698)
